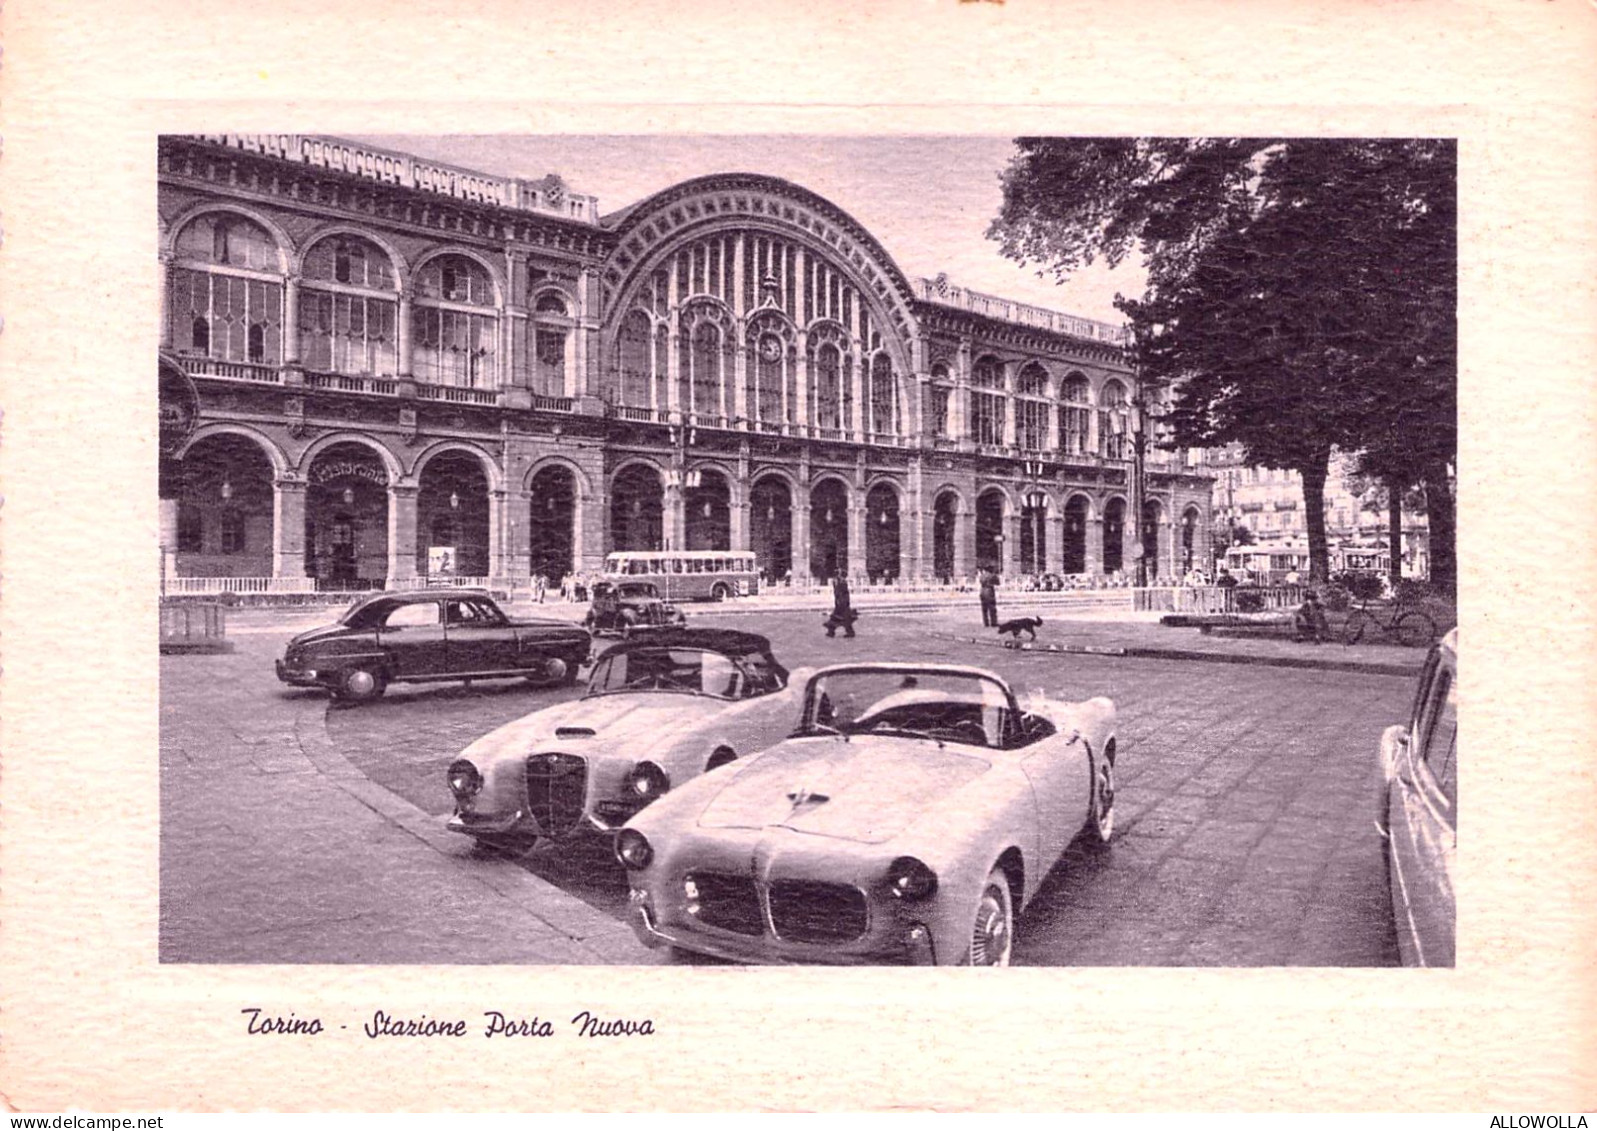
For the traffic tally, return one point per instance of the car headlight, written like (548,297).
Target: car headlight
(464,780)
(633,849)
(646,782)
(910,880)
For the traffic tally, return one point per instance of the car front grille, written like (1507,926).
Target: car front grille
(729,902)
(557,788)
(808,911)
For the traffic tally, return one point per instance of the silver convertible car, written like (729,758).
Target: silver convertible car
(908,819)
(660,709)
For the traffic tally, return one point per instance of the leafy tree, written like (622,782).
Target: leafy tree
(1300,293)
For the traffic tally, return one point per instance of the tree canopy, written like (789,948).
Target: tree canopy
(1301,292)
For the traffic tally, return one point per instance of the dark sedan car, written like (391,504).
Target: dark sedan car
(428,636)
(621,608)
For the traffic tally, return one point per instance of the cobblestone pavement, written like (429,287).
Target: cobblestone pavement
(1246,804)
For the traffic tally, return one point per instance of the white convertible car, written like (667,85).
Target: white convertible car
(660,709)
(908,819)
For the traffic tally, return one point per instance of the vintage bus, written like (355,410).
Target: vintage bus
(689,575)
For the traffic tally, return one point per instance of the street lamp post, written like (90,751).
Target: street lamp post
(1139,484)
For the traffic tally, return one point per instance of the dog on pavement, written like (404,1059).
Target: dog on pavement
(1013,629)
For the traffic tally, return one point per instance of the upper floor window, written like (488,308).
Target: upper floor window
(551,341)
(226,240)
(987,417)
(343,332)
(987,373)
(225,297)
(1032,410)
(1114,422)
(1075,415)
(351,261)
(454,278)
(829,387)
(232,529)
(450,345)
(940,395)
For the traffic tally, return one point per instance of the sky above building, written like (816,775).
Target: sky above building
(928,200)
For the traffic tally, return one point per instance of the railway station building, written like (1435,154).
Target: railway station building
(366,355)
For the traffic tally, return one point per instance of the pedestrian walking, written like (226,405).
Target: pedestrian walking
(843,615)
(988,580)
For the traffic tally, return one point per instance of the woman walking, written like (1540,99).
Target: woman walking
(843,615)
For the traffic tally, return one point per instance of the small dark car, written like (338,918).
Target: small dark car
(620,607)
(430,636)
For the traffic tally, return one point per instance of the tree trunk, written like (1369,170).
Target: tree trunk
(1442,518)
(1394,530)
(1314,517)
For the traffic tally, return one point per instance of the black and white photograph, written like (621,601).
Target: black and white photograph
(573,557)
(638,550)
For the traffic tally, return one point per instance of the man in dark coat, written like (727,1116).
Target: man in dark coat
(989,599)
(843,614)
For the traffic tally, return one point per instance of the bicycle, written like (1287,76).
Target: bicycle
(1408,626)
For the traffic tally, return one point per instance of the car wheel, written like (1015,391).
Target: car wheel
(1415,630)
(720,758)
(360,685)
(552,671)
(992,932)
(720,592)
(483,848)
(1103,801)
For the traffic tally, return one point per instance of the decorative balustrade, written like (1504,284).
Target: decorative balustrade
(232,370)
(200,586)
(638,415)
(456,394)
(353,383)
(1006,310)
(554,404)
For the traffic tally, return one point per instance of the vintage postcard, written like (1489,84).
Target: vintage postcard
(623,571)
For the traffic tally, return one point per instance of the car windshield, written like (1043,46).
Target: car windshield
(682,671)
(638,592)
(964,707)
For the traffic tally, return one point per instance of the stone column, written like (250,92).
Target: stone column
(291,321)
(801,536)
(964,539)
(518,540)
(1011,547)
(401,531)
(673,371)
(1095,546)
(288,527)
(1055,525)
(168,536)
(740,523)
(856,540)
(856,381)
(585,332)
(498,533)
(166,318)
(740,365)
(1011,406)
(675,524)
(959,403)
(1169,550)
(803,381)
(402,361)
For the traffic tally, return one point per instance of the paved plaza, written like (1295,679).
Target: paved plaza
(296,831)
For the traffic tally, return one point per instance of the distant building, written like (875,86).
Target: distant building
(1268,502)
(373,363)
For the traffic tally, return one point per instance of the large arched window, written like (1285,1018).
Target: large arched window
(348,308)
(987,401)
(636,362)
(1032,408)
(884,401)
(1075,415)
(829,388)
(1114,422)
(551,342)
(705,360)
(770,364)
(454,330)
(227,291)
